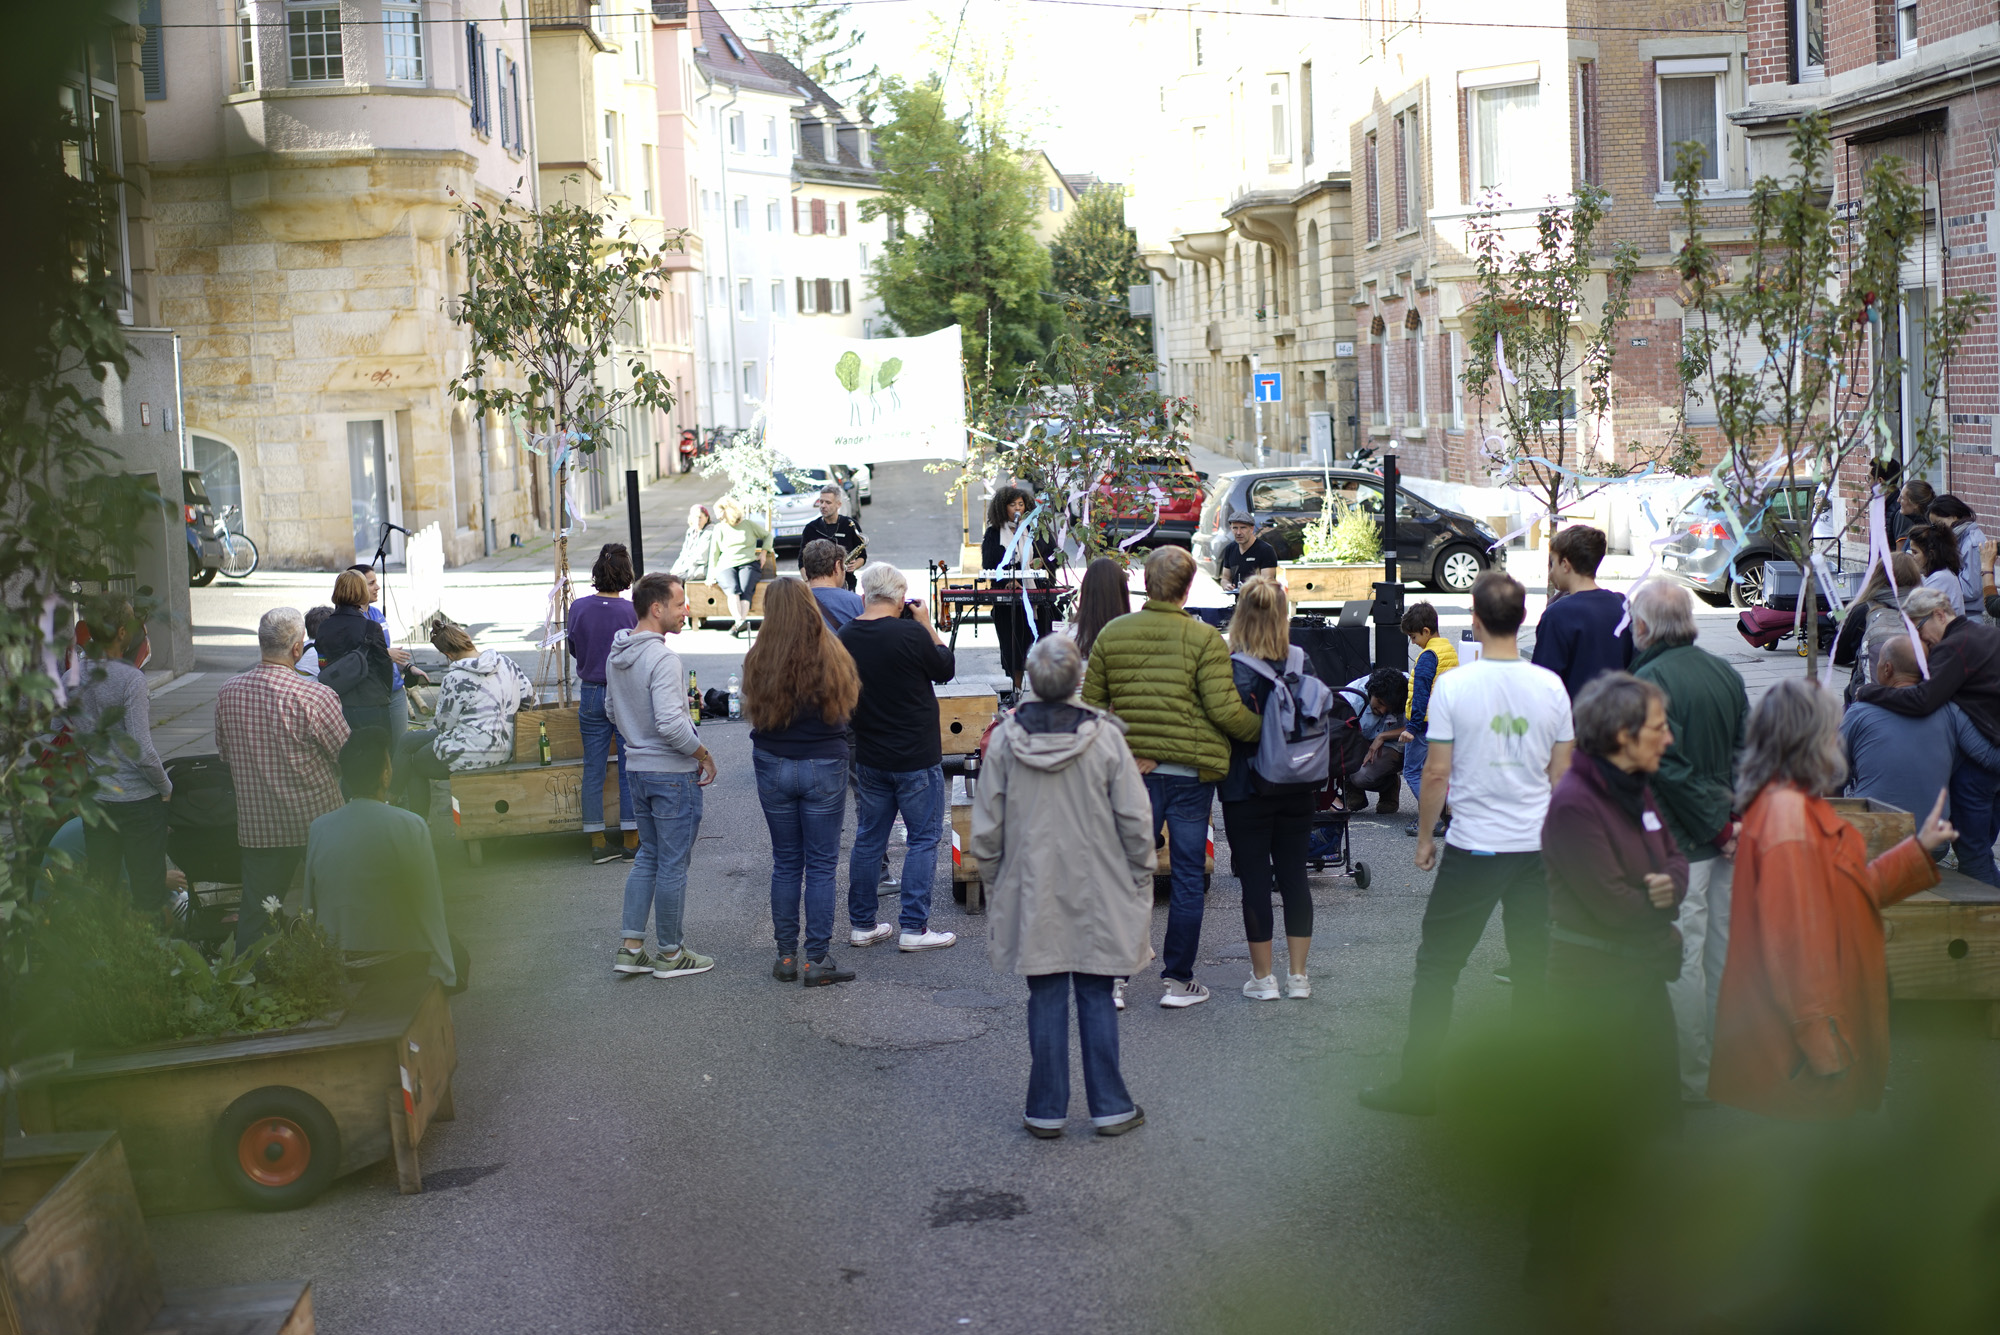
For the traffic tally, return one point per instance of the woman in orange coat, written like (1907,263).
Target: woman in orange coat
(1802,1026)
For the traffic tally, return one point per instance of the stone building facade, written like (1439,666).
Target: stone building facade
(308,164)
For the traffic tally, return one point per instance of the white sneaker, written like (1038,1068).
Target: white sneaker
(881,931)
(926,940)
(1262,989)
(1118,993)
(1297,986)
(1179,994)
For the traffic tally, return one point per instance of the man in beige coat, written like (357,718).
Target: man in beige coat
(1062,827)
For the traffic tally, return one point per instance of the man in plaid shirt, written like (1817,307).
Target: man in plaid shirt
(280,734)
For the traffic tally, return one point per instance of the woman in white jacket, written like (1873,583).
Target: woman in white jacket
(1062,828)
(478,699)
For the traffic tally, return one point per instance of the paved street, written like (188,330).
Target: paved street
(729,1154)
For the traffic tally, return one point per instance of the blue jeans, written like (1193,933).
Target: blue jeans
(1415,751)
(878,795)
(1972,811)
(668,807)
(1183,804)
(600,739)
(804,803)
(1048,1048)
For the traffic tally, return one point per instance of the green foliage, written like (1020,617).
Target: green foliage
(1538,304)
(67,511)
(103,977)
(962,249)
(1343,532)
(1093,261)
(815,36)
(1792,348)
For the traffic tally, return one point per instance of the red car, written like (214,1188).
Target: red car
(1166,489)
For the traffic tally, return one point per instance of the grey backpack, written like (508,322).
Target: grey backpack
(1295,749)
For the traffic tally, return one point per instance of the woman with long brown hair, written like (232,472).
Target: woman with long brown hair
(1102,598)
(799,689)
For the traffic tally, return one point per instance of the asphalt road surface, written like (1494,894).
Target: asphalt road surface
(730,1154)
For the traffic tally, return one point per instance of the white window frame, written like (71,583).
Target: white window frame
(246,47)
(769,144)
(739,213)
(611,148)
(771,216)
(1457,381)
(1807,70)
(746,299)
(1420,406)
(737,132)
(410,39)
(1906,27)
(1278,104)
(299,45)
(1382,394)
(1472,126)
(1715,68)
(1409,131)
(749,380)
(777,296)
(641,30)
(647,153)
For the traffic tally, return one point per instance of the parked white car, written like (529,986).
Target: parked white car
(797,505)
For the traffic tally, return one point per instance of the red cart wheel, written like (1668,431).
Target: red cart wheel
(276,1148)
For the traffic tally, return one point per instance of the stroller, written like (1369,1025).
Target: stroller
(1770,625)
(201,840)
(1331,845)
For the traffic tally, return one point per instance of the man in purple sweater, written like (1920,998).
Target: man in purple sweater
(593,621)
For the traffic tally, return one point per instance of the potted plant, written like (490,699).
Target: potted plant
(1342,556)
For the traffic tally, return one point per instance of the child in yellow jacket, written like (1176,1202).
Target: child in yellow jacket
(1435,657)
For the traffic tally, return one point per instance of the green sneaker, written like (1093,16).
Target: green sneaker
(680,964)
(632,961)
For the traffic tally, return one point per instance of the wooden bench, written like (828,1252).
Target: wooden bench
(708,602)
(1944,944)
(522,798)
(968,886)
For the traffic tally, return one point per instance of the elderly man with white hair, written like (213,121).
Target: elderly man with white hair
(1706,709)
(280,734)
(899,763)
(1964,661)
(1063,821)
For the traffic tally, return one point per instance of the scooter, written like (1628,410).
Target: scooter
(690,447)
(212,548)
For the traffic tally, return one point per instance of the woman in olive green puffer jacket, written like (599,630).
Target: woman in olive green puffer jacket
(1166,676)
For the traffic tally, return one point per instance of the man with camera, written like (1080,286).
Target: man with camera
(899,763)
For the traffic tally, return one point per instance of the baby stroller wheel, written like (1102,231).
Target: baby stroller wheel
(1361,876)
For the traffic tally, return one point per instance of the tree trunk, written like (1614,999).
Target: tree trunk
(561,648)
(1809,600)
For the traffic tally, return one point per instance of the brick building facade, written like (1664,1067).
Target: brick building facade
(1920,81)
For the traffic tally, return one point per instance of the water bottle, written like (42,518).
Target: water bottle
(735,696)
(694,698)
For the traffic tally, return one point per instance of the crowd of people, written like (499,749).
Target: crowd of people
(1675,892)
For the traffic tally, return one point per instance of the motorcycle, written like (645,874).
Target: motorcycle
(690,447)
(213,548)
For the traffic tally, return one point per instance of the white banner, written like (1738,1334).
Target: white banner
(413,597)
(865,400)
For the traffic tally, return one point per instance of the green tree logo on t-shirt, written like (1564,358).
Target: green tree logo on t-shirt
(1512,730)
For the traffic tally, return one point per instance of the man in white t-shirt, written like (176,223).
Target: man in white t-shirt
(1499,737)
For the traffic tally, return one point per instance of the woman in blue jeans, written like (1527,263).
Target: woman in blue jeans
(799,689)
(593,622)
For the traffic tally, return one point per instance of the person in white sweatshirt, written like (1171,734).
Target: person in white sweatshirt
(645,697)
(482,692)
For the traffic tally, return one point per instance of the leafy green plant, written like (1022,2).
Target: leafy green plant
(1345,533)
(1796,344)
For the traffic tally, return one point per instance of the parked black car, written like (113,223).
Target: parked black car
(1441,548)
(1704,546)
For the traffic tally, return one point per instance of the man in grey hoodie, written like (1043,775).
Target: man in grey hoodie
(645,697)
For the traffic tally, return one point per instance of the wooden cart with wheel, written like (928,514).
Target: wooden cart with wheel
(270,1120)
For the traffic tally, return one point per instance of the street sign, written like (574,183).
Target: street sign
(1269,386)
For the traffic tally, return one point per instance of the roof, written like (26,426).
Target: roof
(811,161)
(727,58)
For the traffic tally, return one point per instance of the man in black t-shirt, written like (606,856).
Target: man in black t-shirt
(898,767)
(1245,557)
(836,528)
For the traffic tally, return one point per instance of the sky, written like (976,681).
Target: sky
(1071,99)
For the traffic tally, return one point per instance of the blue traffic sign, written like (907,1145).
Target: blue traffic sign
(1270,386)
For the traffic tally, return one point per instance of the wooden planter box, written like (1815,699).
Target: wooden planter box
(964,713)
(565,735)
(968,887)
(1882,825)
(75,1257)
(1326,582)
(529,798)
(710,602)
(382,1074)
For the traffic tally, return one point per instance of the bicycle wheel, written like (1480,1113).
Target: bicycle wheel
(239,556)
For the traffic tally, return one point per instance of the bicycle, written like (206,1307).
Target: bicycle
(239,553)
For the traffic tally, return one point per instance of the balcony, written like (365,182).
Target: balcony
(554,14)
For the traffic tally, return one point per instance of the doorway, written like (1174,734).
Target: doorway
(371,460)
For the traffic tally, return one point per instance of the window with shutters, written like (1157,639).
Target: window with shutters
(500,107)
(403,46)
(475,64)
(819,217)
(152,59)
(806,294)
(513,95)
(823,294)
(312,33)
(840,306)
(798,224)
(843,217)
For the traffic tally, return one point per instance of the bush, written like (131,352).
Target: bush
(1344,533)
(102,976)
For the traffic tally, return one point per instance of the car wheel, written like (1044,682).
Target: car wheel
(276,1148)
(1747,589)
(1456,569)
